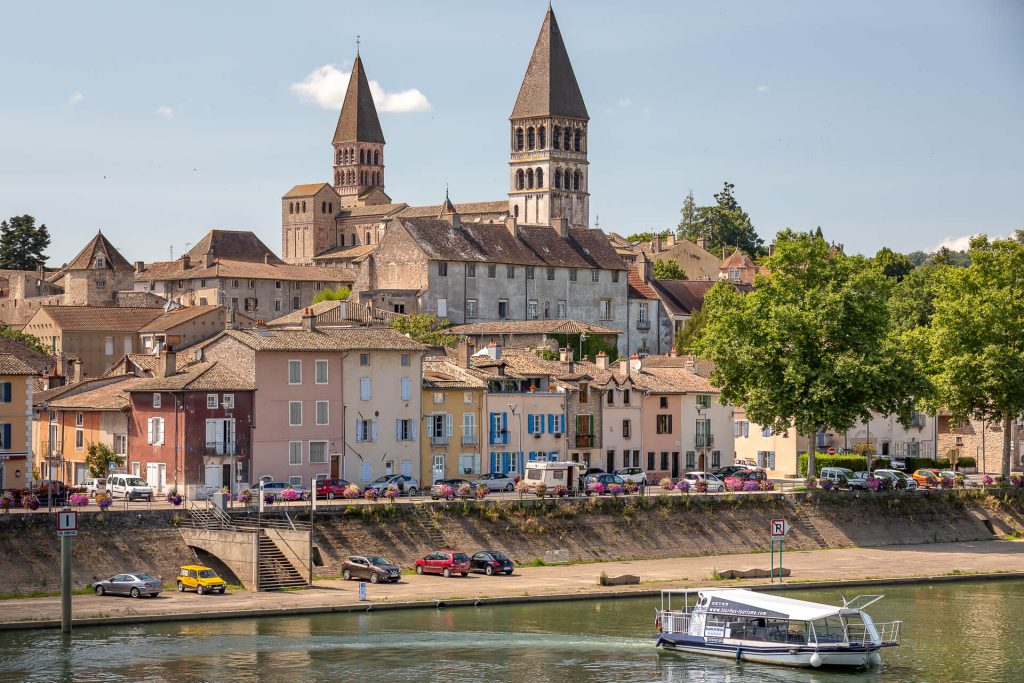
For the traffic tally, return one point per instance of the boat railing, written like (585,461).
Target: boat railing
(674,622)
(888,633)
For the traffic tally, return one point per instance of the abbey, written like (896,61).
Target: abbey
(531,256)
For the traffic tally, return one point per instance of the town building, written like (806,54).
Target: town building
(453,419)
(978,439)
(16,418)
(696,261)
(184,326)
(531,334)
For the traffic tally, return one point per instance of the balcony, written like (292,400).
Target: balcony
(704,440)
(643,324)
(471,440)
(439,440)
(221,449)
(585,441)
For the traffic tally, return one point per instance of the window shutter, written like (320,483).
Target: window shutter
(448,417)
(561,423)
(398,430)
(373,430)
(504,428)
(746,429)
(7,395)
(149,425)
(406,389)
(529,424)
(7,434)
(590,423)
(736,428)
(413,430)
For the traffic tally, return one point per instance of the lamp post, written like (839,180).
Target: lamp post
(701,440)
(513,407)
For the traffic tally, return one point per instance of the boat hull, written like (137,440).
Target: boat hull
(782,655)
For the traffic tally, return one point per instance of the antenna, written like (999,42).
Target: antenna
(357,45)
(172,252)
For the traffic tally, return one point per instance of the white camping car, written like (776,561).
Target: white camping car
(553,474)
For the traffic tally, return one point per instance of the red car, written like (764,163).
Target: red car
(331,488)
(443,562)
(738,479)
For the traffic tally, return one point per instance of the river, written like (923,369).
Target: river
(952,632)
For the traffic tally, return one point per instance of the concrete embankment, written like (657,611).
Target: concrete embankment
(590,530)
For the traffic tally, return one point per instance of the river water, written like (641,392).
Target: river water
(952,632)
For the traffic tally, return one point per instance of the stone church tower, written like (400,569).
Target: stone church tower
(358,143)
(548,166)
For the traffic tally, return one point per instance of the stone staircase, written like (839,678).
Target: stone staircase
(807,525)
(434,532)
(275,570)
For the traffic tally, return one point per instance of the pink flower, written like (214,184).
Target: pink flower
(595,487)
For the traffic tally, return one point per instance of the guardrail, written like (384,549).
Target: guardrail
(674,622)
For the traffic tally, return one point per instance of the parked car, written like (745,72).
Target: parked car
(715,485)
(200,579)
(925,478)
(587,472)
(637,475)
(129,486)
(899,479)
(897,464)
(372,567)
(604,479)
(741,477)
(95,485)
(748,463)
(279,487)
(443,562)
(331,488)
(135,585)
(491,562)
(454,484)
(496,481)
(51,491)
(404,484)
(844,478)
(724,473)
(959,479)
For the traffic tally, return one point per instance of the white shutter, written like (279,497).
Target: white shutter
(373,430)
(398,430)
(160,424)
(413,434)
(448,424)
(406,389)
(150,424)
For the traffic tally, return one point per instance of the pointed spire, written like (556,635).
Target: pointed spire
(358,121)
(447,209)
(549,87)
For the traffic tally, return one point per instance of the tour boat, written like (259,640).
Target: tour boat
(772,629)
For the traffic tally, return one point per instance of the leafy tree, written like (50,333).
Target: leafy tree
(31,341)
(810,346)
(686,338)
(668,270)
(426,329)
(98,459)
(689,216)
(819,234)
(976,349)
(725,224)
(918,258)
(342,293)
(894,265)
(947,257)
(592,344)
(648,235)
(22,243)
(912,302)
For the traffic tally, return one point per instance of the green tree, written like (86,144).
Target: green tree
(589,346)
(725,224)
(687,337)
(810,346)
(98,459)
(819,234)
(648,235)
(947,257)
(892,264)
(689,216)
(426,329)
(976,349)
(342,293)
(22,243)
(29,340)
(668,270)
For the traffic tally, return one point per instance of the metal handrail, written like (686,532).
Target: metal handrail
(674,622)
(888,633)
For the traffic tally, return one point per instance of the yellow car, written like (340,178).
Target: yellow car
(201,579)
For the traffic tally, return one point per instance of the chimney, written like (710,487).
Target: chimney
(186,262)
(562,226)
(167,362)
(690,365)
(510,223)
(229,319)
(76,371)
(308,320)
(565,356)
(723,252)
(140,266)
(464,351)
(208,259)
(643,267)
(266,257)
(494,351)
(670,240)
(453,218)
(771,249)
(656,244)
(635,364)
(701,242)
(602,360)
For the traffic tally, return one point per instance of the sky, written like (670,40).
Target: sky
(893,124)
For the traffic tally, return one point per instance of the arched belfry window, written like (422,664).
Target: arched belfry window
(556,137)
(575,180)
(558,178)
(323,207)
(367,238)
(540,177)
(541,138)
(576,144)
(330,207)
(529,178)
(376,157)
(362,156)
(354,241)
(519,139)
(520,179)
(291,207)
(531,138)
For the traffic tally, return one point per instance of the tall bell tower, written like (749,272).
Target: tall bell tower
(548,138)
(358,142)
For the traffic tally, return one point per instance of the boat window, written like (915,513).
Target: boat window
(829,629)
(767,630)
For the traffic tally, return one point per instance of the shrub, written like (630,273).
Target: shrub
(966,462)
(875,484)
(371,494)
(6,500)
(811,484)
(391,493)
(684,486)
(269,498)
(987,480)
(765,485)
(245,496)
(445,491)
(522,487)
(666,484)
(632,487)
(701,486)
(465,490)
(482,491)
(751,485)
(79,499)
(850,462)
(174,498)
(351,492)
(733,484)
(30,501)
(826,484)
(104,500)
(289,495)
(540,490)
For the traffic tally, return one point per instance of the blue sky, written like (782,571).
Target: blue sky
(887,123)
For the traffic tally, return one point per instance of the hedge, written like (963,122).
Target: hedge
(850,462)
(940,464)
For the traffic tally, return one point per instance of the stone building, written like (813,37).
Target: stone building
(692,257)
(979,439)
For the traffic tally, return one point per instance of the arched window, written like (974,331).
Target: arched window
(529,178)
(567,140)
(291,207)
(541,138)
(558,178)
(376,157)
(362,157)
(341,240)
(519,139)
(330,207)
(556,137)
(351,177)
(576,144)
(540,177)
(515,211)
(354,241)
(520,181)
(303,207)
(531,138)
(337,177)
(323,207)
(337,157)
(367,238)
(575,180)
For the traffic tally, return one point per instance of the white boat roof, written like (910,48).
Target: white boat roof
(800,610)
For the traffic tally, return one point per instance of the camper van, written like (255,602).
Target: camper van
(553,474)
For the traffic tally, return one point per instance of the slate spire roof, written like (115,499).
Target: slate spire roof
(549,87)
(358,121)
(99,246)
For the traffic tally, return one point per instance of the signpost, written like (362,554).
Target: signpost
(778,528)
(67,526)
(831,451)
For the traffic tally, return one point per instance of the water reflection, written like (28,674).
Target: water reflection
(953,632)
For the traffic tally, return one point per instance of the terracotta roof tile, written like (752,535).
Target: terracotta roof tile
(333,339)
(236,245)
(441,373)
(638,289)
(531,327)
(10,364)
(178,316)
(230,268)
(307,190)
(465,209)
(205,376)
(113,396)
(101,317)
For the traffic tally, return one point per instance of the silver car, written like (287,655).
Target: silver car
(135,585)
(496,481)
(715,485)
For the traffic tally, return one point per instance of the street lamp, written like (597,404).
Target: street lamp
(701,441)
(512,407)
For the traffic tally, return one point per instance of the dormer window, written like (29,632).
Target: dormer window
(101,262)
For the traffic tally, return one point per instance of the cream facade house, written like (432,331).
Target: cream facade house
(453,419)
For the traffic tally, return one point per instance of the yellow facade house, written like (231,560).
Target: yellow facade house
(15,421)
(453,412)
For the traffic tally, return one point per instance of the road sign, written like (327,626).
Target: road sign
(362,590)
(67,523)
(779,529)
(111,465)
(831,451)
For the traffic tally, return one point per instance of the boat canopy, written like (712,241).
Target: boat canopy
(744,602)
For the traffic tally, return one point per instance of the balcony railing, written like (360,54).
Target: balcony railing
(705,440)
(643,324)
(585,441)
(221,449)
(438,440)
(470,440)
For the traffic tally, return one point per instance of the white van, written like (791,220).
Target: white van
(129,486)
(553,474)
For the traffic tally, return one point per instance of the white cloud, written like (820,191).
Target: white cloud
(165,112)
(325,86)
(625,102)
(76,98)
(762,88)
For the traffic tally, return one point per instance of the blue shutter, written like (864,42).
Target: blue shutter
(493,430)
(7,399)
(529,424)
(551,422)
(494,461)
(533,455)
(504,428)
(7,431)
(561,423)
